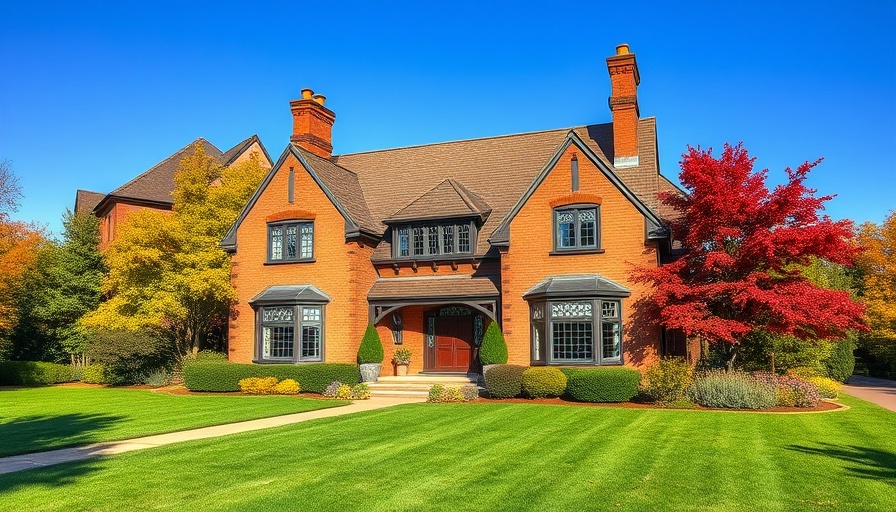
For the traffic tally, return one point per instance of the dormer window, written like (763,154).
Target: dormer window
(433,239)
(577,227)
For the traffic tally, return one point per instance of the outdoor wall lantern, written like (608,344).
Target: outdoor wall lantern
(396,329)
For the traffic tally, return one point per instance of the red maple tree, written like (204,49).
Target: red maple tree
(743,248)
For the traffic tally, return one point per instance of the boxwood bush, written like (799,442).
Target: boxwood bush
(504,380)
(312,378)
(371,349)
(602,384)
(34,373)
(543,381)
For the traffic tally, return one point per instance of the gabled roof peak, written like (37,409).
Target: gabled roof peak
(448,199)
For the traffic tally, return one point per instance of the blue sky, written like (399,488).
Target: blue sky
(94,94)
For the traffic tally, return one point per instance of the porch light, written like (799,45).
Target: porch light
(396,329)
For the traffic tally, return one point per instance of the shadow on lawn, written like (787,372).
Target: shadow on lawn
(866,462)
(50,476)
(39,433)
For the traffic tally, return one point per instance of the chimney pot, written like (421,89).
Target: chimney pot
(312,124)
(307,94)
(320,99)
(622,49)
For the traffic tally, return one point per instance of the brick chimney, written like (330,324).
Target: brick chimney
(312,124)
(624,80)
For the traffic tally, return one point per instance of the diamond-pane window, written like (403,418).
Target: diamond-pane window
(577,228)
(292,241)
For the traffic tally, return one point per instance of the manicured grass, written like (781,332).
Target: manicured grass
(37,419)
(488,456)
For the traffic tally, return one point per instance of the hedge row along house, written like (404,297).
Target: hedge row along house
(152,189)
(535,231)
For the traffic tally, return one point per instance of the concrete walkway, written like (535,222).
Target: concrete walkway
(877,391)
(41,459)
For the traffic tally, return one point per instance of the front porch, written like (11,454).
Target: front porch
(440,320)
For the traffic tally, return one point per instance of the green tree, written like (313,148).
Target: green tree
(166,271)
(70,283)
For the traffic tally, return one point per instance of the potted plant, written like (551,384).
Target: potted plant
(402,359)
(494,349)
(370,355)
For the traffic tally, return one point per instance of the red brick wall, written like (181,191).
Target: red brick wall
(527,261)
(114,218)
(341,270)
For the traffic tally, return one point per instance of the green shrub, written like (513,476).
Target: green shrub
(504,380)
(94,374)
(602,384)
(129,356)
(206,356)
(34,373)
(402,356)
(435,393)
(668,380)
(840,365)
(828,388)
(493,349)
(312,378)
(543,381)
(732,390)
(371,349)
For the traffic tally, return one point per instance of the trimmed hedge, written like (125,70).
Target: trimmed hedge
(371,349)
(542,381)
(504,380)
(312,378)
(34,373)
(93,374)
(602,384)
(493,349)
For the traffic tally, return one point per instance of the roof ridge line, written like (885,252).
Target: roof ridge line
(462,194)
(328,160)
(456,141)
(135,178)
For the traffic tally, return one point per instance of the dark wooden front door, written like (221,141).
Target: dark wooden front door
(454,344)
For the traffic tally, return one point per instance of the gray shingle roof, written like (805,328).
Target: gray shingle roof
(290,294)
(86,201)
(577,286)
(498,170)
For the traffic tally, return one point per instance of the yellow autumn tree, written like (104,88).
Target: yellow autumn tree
(166,270)
(878,266)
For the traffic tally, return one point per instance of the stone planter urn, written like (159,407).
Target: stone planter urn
(485,369)
(370,372)
(401,369)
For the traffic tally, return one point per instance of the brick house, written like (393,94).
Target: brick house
(152,189)
(535,231)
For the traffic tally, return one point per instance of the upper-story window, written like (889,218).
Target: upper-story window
(291,241)
(433,239)
(577,227)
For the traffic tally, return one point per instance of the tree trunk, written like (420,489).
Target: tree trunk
(733,352)
(772,354)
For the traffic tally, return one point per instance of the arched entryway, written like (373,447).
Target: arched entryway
(452,338)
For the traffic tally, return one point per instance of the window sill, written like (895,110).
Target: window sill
(273,361)
(564,252)
(287,262)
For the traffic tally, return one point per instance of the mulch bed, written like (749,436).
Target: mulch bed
(821,407)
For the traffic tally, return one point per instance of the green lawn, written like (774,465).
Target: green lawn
(499,457)
(37,419)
